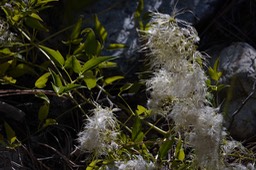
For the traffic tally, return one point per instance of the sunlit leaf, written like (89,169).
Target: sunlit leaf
(93,165)
(6,51)
(142,111)
(43,97)
(181,155)
(9,80)
(73,63)
(34,15)
(54,55)
(110,80)
(95,61)
(100,30)
(90,79)
(108,64)
(42,80)
(116,46)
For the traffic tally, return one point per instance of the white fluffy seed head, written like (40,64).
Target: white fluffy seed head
(100,132)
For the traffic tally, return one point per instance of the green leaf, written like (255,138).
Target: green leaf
(77,29)
(10,133)
(142,111)
(4,67)
(35,24)
(90,79)
(125,87)
(43,97)
(137,134)
(94,62)
(115,46)
(68,87)
(110,80)
(50,122)
(73,64)
(92,47)
(80,48)
(179,151)
(6,51)
(21,69)
(100,30)
(54,55)
(56,79)
(43,112)
(181,155)
(164,148)
(34,15)
(42,80)
(9,80)
(108,64)
(93,165)
(213,72)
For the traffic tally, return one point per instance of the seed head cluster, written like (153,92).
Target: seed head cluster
(178,89)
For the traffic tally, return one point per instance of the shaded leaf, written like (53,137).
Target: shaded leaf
(91,46)
(20,70)
(10,133)
(43,112)
(164,148)
(77,29)
(56,79)
(68,87)
(137,134)
(125,87)
(50,122)
(35,24)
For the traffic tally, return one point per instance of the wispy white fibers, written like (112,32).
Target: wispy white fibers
(100,132)
(178,88)
(135,164)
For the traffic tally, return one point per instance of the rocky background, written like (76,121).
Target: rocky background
(226,29)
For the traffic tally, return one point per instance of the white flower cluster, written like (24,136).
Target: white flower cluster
(178,89)
(135,164)
(100,132)
(5,35)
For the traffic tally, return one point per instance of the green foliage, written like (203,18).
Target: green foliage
(78,75)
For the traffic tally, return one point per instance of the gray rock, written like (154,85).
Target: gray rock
(237,63)
(244,123)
